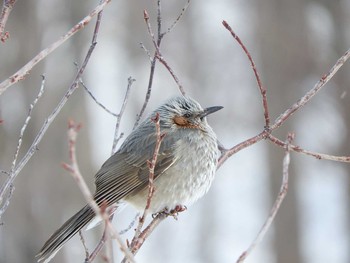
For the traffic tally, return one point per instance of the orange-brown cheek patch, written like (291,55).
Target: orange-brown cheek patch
(181,121)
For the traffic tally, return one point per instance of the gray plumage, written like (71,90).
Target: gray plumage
(184,171)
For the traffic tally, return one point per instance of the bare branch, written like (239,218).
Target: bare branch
(171,71)
(310,94)
(5,13)
(227,153)
(298,149)
(158,54)
(21,73)
(84,244)
(281,195)
(8,184)
(257,76)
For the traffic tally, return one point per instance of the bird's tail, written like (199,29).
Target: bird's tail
(64,233)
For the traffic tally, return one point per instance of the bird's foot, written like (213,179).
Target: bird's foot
(174,212)
(178,209)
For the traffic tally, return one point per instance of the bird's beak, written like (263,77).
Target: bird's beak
(209,110)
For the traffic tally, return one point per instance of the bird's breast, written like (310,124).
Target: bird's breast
(188,179)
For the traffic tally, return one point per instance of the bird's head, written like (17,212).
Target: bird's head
(185,113)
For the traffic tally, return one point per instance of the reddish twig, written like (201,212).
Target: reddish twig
(5,13)
(138,240)
(281,195)
(298,149)
(227,153)
(21,73)
(262,89)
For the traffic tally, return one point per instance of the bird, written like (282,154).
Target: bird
(183,173)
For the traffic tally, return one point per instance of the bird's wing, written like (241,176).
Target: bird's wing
(127,170)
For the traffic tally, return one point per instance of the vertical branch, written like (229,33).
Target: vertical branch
(157,54)
(7,187)
(281,195)
(24,127)
(140,236)
(117,137)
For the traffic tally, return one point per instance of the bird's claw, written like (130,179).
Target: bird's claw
(174,212)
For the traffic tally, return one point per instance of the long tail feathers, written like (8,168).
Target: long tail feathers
(65,233)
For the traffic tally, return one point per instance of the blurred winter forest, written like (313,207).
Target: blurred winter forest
(293,43)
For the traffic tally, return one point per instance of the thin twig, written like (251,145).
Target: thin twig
(8,187)
(158,54)
(281,195)
(24,127)
(5,13)
(84,245)
(9,181)
(117,137)
(142,46)
(256,73)
(151,167)
(21,73)
(135,246)
(171,71)
(132,223)
(319,156)
(96,101)
(183,10)
(152,70)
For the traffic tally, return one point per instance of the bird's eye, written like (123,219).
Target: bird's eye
(187,115)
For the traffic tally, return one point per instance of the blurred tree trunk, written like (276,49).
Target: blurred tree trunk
(284,64)
(340,14)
